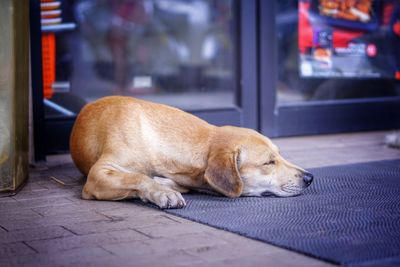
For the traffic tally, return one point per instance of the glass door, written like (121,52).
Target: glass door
(193,55)
(329,66)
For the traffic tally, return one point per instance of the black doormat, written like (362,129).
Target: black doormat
(350,215)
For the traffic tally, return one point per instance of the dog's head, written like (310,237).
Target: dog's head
(243,162)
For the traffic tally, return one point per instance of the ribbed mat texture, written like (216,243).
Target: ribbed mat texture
(350,215)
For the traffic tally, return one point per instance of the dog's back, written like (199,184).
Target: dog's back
(97,130)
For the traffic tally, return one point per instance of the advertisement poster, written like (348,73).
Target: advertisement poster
(349,38)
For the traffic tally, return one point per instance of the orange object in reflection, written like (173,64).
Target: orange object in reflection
(352,10)
(49,63)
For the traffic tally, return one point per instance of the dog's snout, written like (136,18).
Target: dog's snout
(308,178)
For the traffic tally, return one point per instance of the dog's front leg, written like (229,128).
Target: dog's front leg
(171,184)
(107,183)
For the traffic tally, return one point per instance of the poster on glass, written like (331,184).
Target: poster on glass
(349,39)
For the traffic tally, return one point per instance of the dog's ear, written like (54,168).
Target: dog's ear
(222,172)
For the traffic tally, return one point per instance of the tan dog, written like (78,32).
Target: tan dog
(121,143)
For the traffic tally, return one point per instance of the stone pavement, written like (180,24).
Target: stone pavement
(48,224)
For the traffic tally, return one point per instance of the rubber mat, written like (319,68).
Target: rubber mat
(350,215)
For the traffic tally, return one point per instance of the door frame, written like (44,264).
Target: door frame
(317,117)
(39,152)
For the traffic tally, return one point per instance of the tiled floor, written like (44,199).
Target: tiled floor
(47,224)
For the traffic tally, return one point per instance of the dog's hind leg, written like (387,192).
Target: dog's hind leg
(106,182)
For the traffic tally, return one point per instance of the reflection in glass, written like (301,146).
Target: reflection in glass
(176,52)
(331,50)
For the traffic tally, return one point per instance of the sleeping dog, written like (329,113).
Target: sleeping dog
(122,143)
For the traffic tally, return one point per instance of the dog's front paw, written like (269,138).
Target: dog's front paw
(167,199)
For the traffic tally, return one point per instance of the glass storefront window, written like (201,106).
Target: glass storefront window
(176,52)
(333,50)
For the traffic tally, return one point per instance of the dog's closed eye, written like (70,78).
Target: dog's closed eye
(270,162)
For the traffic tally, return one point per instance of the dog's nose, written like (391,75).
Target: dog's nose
(308,178)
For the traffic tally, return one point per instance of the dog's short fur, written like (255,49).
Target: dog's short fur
(121,143)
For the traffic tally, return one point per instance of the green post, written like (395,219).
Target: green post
(14,93)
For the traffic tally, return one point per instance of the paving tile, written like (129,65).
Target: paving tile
(138,248)
(262,260)
(78,217)
(248,252)
(65,209)
(50,184)
(288,258)
(7,204)
(32,203)
(245,246)
(173,229)
(177,218)
(108,208)
(164,246)
(90,256)
(48,193)
(119,223)
(172,258)
(19,214)
(99,203)
(63,178)
(44,202)
(97,227)
(228,251)
(40,233)
(257,247)
(243,249)
(14,250)
(91,240)
(325,150)
(128,209)
(33,187)
(6,199)
(330,141)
